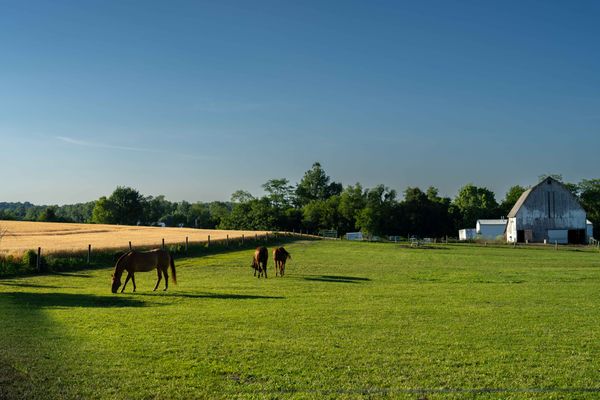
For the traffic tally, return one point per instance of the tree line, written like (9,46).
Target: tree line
(315,203)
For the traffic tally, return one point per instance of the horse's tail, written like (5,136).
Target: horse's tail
(173,273)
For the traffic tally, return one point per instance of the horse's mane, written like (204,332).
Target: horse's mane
(121,258)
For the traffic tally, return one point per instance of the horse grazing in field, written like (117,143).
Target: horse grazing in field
(143,261)
(259,262)
(280,255)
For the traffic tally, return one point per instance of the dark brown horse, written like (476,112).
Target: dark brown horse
(280,255)
(259,262)
(143,261)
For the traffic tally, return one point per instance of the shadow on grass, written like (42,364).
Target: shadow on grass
(46,300)
(223,296)
(31,285)
(73,274)
(336,278)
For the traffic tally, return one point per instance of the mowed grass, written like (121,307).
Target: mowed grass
(349,320)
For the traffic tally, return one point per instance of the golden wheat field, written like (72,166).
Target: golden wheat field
(19,236)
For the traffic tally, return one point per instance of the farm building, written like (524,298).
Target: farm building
(485,229)
(589,229)
(490,228)
(547,212)
(467,234)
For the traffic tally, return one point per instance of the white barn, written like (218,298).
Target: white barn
(547,212)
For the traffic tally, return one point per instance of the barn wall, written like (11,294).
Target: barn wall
(550,207)
(511,230)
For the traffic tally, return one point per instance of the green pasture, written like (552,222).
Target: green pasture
(349,320)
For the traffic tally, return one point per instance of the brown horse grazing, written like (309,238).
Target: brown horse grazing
(259,262)
(143,261)
(280,255)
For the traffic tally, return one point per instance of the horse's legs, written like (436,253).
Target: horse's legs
(265,269)
(166,279)
(159,278)
(133,280)
(126,280)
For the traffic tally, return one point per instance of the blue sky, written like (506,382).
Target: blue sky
(195,100)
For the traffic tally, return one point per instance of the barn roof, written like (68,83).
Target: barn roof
(525,195)
(519,203)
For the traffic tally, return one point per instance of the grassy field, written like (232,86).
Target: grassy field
(19,236)
(349,320)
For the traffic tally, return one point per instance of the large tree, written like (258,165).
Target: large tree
(315,185)
(352,201)
(279,192)
(589,190)
(475,203)
(124,206)
(375,218)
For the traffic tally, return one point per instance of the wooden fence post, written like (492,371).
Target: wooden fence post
(89,253)
(227,241)
(130,245)
(163,244)
(242,239)
(208,243)
(256,237)
(186,244)
(38,261)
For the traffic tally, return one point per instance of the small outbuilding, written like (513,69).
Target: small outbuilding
(547,212)
(467,234)
(490,228)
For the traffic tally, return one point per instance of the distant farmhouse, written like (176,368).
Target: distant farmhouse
(545,213)
(548,212)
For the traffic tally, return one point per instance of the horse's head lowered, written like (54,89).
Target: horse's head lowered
(116,283)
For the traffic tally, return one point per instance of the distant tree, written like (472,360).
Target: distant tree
(218,211)
(103,212)
(475,203)
(510,199)
(352,201)
(425,214)
(590,200)
(200,217)
(48,215)
(279,192)
(256,214)
(124,206)
(241,196)
(321,214)
(128,205)
(315,185)
(155,208)
(374,218)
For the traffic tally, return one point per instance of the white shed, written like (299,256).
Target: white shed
(467,234)
(589,229)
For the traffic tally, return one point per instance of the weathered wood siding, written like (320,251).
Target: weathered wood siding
(549,206)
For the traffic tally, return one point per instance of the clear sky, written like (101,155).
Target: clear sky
(195,100)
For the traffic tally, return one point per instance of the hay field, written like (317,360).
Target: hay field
(54,237)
